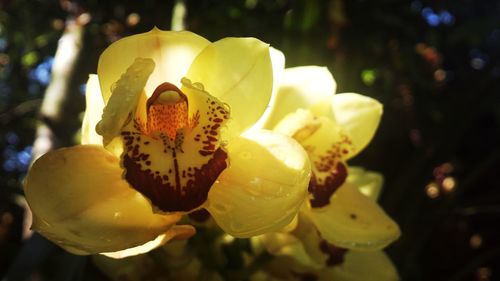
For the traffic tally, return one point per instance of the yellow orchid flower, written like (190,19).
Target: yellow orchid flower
(305,253)
(332,129)
(171,113)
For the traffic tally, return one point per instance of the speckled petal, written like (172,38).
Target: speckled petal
(80,201)
(326,144)
(359,116)
(239,72)
(353,221)
(173,52)
(264,186)
(93,111)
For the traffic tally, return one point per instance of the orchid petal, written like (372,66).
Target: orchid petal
(175,232)
(359,116)
(286,244)
(93,111)
(239,72)
(307,87)
(123,102)
(172,52)
(263,188)
(353,221)
(302,244)
(362,266)
(369,183)
(278,62)
(90,206)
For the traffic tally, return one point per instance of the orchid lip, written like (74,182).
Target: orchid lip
(174,156)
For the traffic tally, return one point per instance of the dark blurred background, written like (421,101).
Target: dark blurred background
(435,65)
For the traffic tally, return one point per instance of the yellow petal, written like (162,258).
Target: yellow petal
(362,266)
(175,232)
(368,182)
(302,87)
(123,102)
(359,116)
(263,187)
(286,244)
(311,239)
(353,221)
(302,244)
(239,72)
(80,202)
(278,62)
(132,268)
(93,111)
(172,52)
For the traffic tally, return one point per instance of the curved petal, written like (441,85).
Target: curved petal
(353,221)
(303,244)
(368,182)
(362,266)
(264,186)
(359,116)
(286,244)
(239,72)
(306,87)
(311,240)
(126,96)
(93,111)
(80,202)
(173,52)
(175,232)
(278,62)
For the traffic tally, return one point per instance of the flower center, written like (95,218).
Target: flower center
(167,111)
(173,153)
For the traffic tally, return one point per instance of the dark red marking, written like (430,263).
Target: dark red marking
(169,198)
(200,216)
(321,193)
(205,152)
(335,254)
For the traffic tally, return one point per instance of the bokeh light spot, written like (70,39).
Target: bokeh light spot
(368,76)
(432,190)
(476,241)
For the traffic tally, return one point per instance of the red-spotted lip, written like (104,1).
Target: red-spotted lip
(156,162)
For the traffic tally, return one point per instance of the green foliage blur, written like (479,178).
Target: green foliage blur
(435,65)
